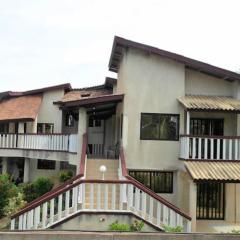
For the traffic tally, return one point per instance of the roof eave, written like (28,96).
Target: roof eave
(188,62)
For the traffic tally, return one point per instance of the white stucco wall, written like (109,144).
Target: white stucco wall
(50,113)
(150,84)
(198,83)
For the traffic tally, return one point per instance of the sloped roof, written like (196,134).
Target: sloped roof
(9,94)
(119,44)
(216,171)
(20,108)
(75,95)
(196,102)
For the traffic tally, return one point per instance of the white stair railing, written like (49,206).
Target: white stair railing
(98,195)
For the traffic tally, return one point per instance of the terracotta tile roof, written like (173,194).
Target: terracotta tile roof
(210,103)
(86,93)
(19,108)
(202,170)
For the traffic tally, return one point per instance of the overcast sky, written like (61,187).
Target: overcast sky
(48,42)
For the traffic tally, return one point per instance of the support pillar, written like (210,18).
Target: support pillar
(193,203)
(26,170)
(187,122)
(82,128)
(34,125)
(21,127)
(4,165)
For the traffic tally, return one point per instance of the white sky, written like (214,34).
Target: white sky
(48,42)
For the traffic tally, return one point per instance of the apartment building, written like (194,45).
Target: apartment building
(166,129)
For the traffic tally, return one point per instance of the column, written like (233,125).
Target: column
(82,128)
(187,122)
(26,170)
(237,186)
(4,165)
(193,203)
(21,127)
(34,125)
(11,128)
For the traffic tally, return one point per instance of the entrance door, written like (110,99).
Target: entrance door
(207,127)
(95,137)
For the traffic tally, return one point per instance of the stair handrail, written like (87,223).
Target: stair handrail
(145,189)
(63,186)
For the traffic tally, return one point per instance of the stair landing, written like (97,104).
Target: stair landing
(93,172)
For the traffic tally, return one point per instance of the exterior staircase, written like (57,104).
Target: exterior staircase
(93,172)
(87,192)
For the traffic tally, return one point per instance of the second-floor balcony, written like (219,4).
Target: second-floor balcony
(224,148)
(47,142)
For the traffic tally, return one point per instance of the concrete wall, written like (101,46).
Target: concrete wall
(76,235)
(99,222)
(150,84)
(35,172)
(50,113)
(198,83)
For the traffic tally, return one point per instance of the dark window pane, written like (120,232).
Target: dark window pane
(210,200)
(159,126)
(46,164)
(159,182)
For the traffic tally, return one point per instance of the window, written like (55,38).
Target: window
(4,127)
(156,126)
(69,121)
(94,122)
(159,182)
(46,164)
(210,200)
(45,128)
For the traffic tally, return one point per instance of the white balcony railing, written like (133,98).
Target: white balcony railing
(48,142)
(210,147)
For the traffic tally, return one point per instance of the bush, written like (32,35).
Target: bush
(169,229)
(136,226)
(28,190)
(8,190)
(115,226)
(65,175)
(36,189)
(14,204)
(42,185)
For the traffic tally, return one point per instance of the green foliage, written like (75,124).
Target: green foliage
(14,204)
(169,229)
(29,193)
(65,175)
(8,190)
(136,226)
(42,185)
(36,189)
(234,231)
(115,226)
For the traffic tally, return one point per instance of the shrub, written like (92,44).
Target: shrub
(36,189)
(14,204)
(136,226)
(8,190)
(115,226)
(42,185)
(235,231)
(65,175)
(29,193)
(169,229)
